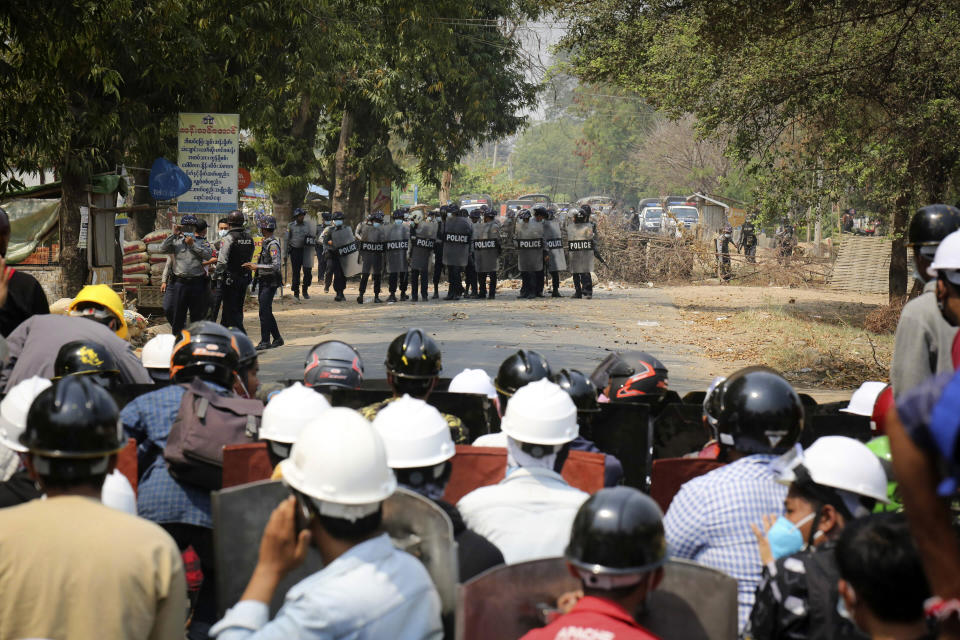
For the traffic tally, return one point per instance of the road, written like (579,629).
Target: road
(481,333)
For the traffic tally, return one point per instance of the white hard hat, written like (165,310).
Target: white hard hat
(841,463)
(339,460)
(540,412)
(14,409)
(156,353)
(947,258)
(414,433)
(473,381)
(864,398)
(289,411)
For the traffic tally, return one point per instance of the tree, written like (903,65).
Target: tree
(674,159)
(547,154)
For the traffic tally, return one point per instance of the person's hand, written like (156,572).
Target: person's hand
(177,229)
(248,265)
(5,275)
(281,549)
(569,600)
(763,545)
(163,287)
(188,240)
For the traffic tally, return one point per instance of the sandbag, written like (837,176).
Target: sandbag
(136,278)
(156,270)
(158,258)
(156,237)
(154,248)
(140,267)
(134,258)
(134,247)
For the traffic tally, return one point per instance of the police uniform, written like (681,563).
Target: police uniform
(528,237)
(457,238)
(189,279)
(371,253)
(397,243)
(581,238)
(236,249)
(301,239)
(423,241)
(438,254)
(327,257)
(471,271)
(268,281)
(321,258)
(486,250)
(748,241)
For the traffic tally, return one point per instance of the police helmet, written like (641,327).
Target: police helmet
(205,350)
(333,364)
(235,218)
(525,214)
(88,358)
(551,213)
(376,216)
(540,211)
(476,212)
(326,216)
(463,213)
(338,215)
(268,222)
(617,537)
(756,411)
(72,428)
(398,214)
(414,355)
(581,215)
(299,211)
(586,210)
(189,220)
(579,387)
(517,370)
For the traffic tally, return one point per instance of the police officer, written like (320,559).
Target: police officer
(443,216)
(785,243)
(324,273)
(486,249)
(333,259)
(216,286)
(581,239)
(471,270)
(236,249)
(748,240)
(554,259)
(397,240)
(268,269)
(189,280)
(723,251)
(423,240)
(301,242)
(540,215)
(371,236)
(457,238)
(529,241)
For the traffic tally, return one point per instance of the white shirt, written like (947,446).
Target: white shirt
(528,515)
(498,439)
(372,591)
(118,494)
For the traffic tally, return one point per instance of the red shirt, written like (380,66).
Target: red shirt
(593,619)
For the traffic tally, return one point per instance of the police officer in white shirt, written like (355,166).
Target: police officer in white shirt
(338,474)
(528,515)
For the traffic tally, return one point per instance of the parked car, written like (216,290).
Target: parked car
(651,219)
(684,214)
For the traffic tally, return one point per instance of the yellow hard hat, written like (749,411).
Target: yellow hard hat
(107,298)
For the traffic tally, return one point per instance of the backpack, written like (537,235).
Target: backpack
(205,423)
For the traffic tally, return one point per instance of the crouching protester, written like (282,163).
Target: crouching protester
(338,474)
(71,567)
(836,481)
(617,549)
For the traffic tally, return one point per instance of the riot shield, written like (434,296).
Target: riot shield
(842,424)
(693,602)
(240,514)
(679,430)
(553,241)
(669,474)
(127,463)
(347,250)
(245,463)
(123,394)
(623,430)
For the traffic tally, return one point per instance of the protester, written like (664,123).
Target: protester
(332,365)
(338,474)
(517,370)
(155,356)
(71,567)
(285,416)
(21,296)
(246,381)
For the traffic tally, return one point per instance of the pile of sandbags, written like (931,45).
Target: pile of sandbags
(157,260)
(136,266)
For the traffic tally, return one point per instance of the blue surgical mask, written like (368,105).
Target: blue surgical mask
(785,538)
(376,224)
(339,223)
(222,232)
(398,222)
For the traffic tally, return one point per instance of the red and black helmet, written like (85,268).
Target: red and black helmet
(641,374)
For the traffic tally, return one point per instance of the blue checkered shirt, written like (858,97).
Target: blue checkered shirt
(709,521)
(160,498)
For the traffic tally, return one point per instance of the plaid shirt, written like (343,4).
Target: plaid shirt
(160,498)
(709,521)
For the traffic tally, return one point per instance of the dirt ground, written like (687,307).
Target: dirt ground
(812,335)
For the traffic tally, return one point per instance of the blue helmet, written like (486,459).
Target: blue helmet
(327,216)
(399,214)
(189,219)
(299,211)
(268,222)
(376,216)
(338,215)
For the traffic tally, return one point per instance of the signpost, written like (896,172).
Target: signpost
(208,147)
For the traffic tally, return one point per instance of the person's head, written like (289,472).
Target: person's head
(945,267)
(540,213)
(326,216)
(517,370)
(413,364)
(72,436)
(864,399)
(201,228)
(581,390)
(581,214)
(338,472)
(338,218)
(754,411)
(618,547)
(928,227)
(246,382)
(539,420)
(332,364)
(488,213)
(4,233)
(474,381)
(155,356)
(285,416)
(205,350)
(475,215)
(235,220)
(524,215)
(299,214)
(635,377)
(87,358)
(189,224)
(398,216)
(882,581)
(268,225)
(100,303)
(13,411)
(418,443)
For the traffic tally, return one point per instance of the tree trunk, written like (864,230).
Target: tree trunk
(356,196)
(343,179)
(446,183)
(143,221)
(898,251)
(73,261)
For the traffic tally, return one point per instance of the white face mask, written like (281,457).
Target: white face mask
(398,222)
(222,232)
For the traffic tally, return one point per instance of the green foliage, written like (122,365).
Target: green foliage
(547,154)
(494,182)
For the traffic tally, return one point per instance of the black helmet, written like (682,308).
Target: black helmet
(415,355)
(333,364)
(246,351)
(338,215)
(517,370)
(398,214)
(551,213)
(235,218)
(524,215)
(488,212)
(476,212)
(74,418)
(637,375)
(205,350)
(580,389)
(540,210)
(930,225)
(463,213)
(586,210)
(299,211)
(757,411)
(617,532)
(268,222)
(326,216)
(86,357)
(189,220)
(581,215)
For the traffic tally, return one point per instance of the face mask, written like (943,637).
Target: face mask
(189,234)
(339,223)
(398,222)
(376,224)
(785,538)
(223,232)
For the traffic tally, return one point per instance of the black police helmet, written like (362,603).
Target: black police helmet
(80,357)
(517,370)
(586,210)
(189,220)
(617,531)
(299,211)
(333,364)
(415,355)
(579,388)
(268,222)
(326,216)
(757,411)
(540,210)
(235,219)
(525,214)
(398,214)
(205,350)
(338,215)
(74,418)
(580,215)
(463,213)
(476,213)
(931,224)
(246,351)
